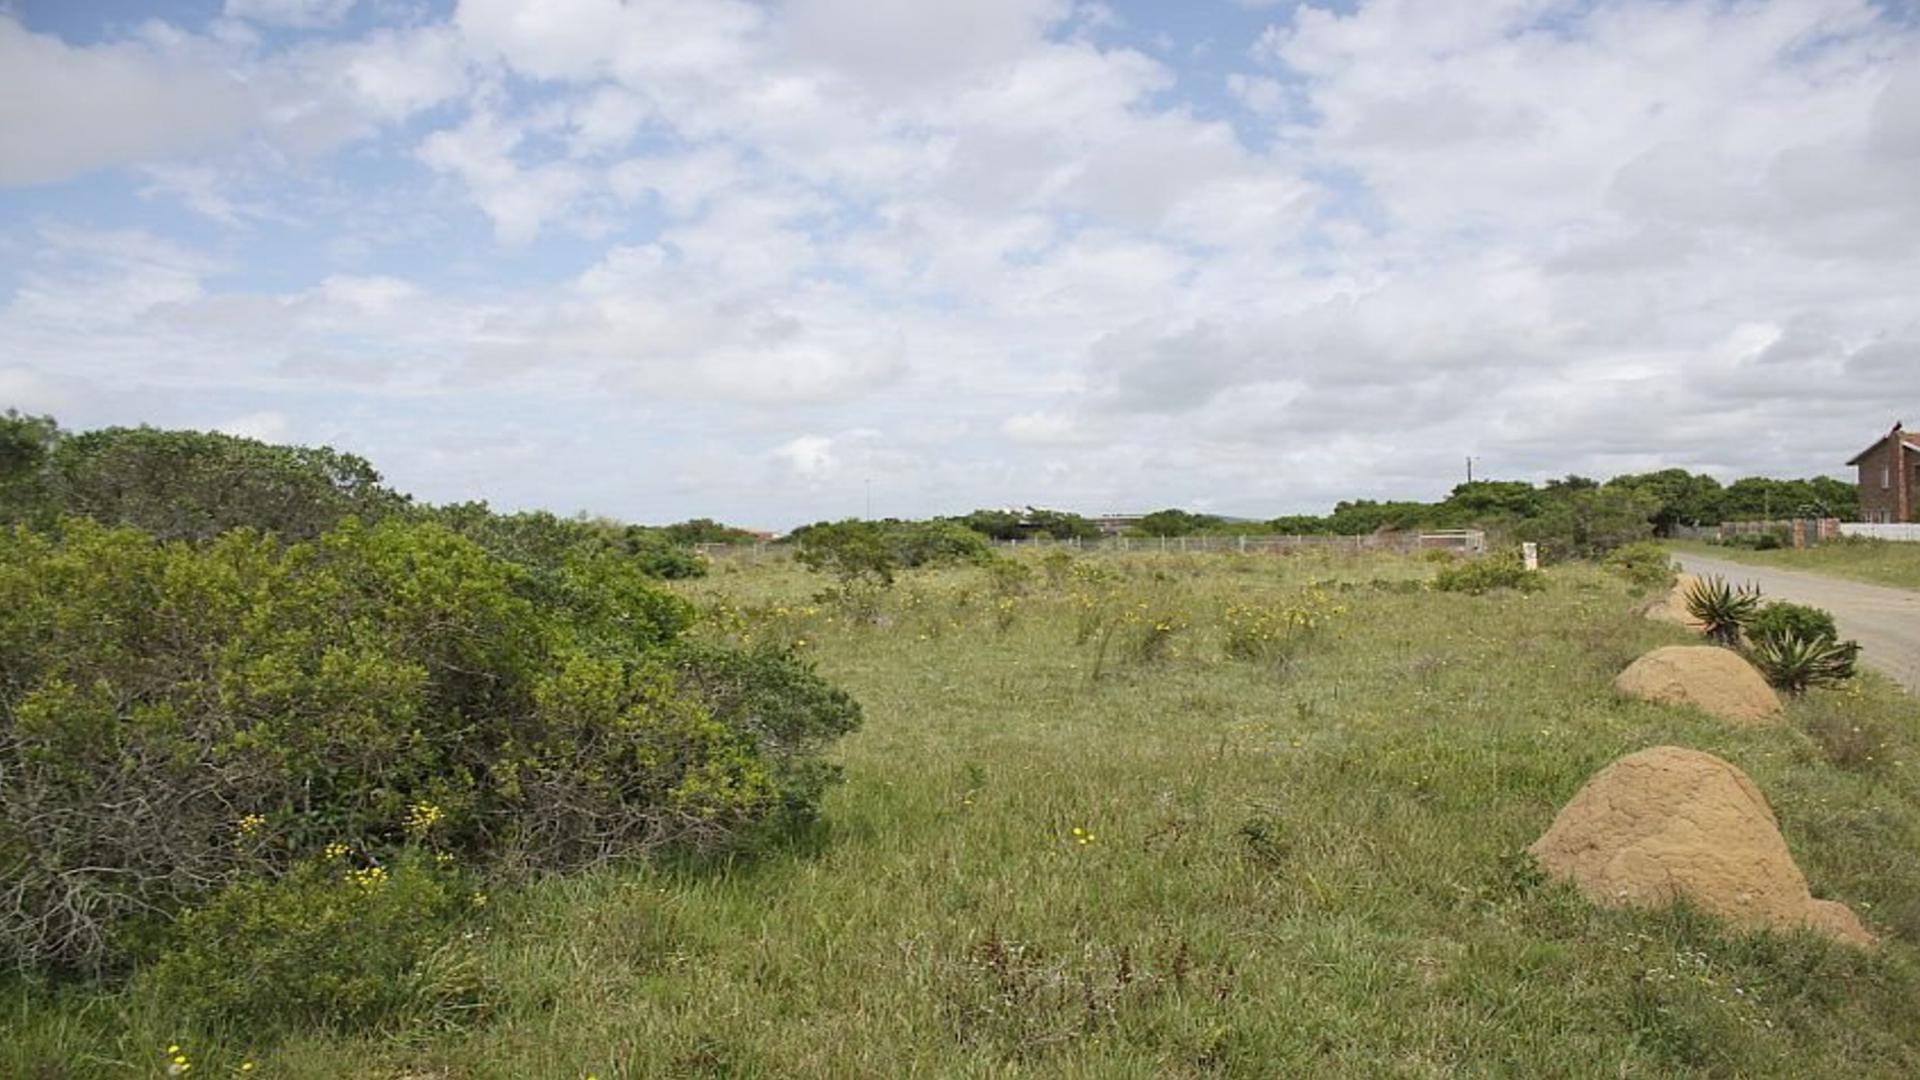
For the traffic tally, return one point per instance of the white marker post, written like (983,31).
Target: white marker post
(1531,553)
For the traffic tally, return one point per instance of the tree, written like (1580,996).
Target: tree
(707,531)
(1678,497)
(1587,523)
(1172,522)
(1299,525)
(1484,500)
(25,444)
(1029,524)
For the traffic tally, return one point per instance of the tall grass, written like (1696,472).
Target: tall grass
(1302,868)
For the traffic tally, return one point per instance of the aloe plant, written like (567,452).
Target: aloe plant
(1793,662)
(1722,608)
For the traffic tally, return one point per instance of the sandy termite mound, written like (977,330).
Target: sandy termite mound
(1716,681)
(1672,607)
(1669,822)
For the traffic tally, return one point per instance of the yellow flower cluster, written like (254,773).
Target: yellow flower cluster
(422,817)
(369,879)
(177,1062)
(251,825)
(1082,836)
(335,850)
(1255,630)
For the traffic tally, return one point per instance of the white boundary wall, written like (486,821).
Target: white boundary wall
(1907,533)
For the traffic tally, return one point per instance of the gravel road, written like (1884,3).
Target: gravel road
(1886,621)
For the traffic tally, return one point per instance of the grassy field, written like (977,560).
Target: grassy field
(1882,562)
(1078,838)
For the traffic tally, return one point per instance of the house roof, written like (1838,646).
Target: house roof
(1904,441)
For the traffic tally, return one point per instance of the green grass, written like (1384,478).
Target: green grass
(1882,562)
(1304,865)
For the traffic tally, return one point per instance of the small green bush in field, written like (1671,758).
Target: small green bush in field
(1780,619)
(1797,647)
(1478,576)
(337,942)
(1645,566)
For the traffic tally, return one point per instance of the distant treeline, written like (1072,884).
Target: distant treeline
(1570,517)
(195,486)
(1671,496)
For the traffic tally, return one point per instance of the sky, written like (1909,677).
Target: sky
(767,261)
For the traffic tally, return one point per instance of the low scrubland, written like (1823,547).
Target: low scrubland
(1106,816)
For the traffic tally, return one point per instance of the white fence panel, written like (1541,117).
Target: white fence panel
(1906,533)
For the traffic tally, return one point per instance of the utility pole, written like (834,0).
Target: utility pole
(1469,468)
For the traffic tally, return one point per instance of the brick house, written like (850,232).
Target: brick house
(1890,477)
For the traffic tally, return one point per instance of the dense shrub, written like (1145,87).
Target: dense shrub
(1798,647)
(195,485)
(1645,566)
(544,543)
(936,543)
(1778,620)
(154,696)
(335,942)
(1478,576)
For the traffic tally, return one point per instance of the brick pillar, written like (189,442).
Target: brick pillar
(1903,479)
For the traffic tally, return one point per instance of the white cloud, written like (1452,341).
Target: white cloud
(65,110)
(1001,253)
(265,426)
(519,199)
(809,456)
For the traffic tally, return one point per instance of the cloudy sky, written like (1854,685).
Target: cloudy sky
(666,258)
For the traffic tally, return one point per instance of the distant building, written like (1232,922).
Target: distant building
(1889,477)
(1115,524)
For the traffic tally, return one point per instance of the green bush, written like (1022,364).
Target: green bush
(1778,620)
(545,543)
(1798,647)
(194,485)
(155,696)
(1478,576)
(1645,566)
(936,543)
(336,942)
